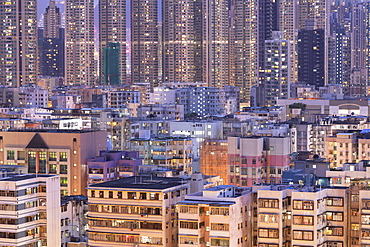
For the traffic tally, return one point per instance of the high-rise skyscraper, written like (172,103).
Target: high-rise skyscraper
(112,29)
(51,44)
(288,25)
(311,57)
(144,42)
(80,67)
(111,64)
(245,46)
(216,42)
(52,21)
(315,13)
(182,41)
(18,42)
(267,23)
(277,69)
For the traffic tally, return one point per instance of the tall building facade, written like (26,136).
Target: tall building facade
(51,43)
(182,41)
(288,25)
(311,57)
(145,42)
(52,21)
(80,67)
(277,69)
(245,46)
(267,23)
(18,42)
(111,64)
(112,29)
(358,77)
(215,43)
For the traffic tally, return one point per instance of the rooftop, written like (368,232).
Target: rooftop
(141,182)
(24,177)
(220,187)
(51,130)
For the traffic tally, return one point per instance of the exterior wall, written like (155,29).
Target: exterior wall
(304,218)
(77,146)
(34,208)
(80,67)
(73,219)
(160,213)
(214,159)
(171,153)
(364,149)
(212,220)
(278,158)
(341,149)
(249,163)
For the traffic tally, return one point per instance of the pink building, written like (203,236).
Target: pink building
(255,160)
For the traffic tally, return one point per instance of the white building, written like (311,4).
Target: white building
(65,101)
(198,131)
(217,216)
(30,211)
(202,100)
(33,96)
(162,95)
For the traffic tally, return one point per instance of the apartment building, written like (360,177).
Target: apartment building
(174,153)
(254,160)
(164,112)
(217,216)
(119,99)
(213,159)
(73,219)
(135,211)
(343,176)
(111,165)
(62,152)
(30,211)
(341,149)
(197,130)
(303,217)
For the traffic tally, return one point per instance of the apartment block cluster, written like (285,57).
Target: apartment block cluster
(264,51)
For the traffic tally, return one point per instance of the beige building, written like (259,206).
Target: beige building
(182,60)
(59,152)
(341,149)
(52,21)
(18,45)
(303,217)
(135,211)
(112,28)
(145,45)
(80,67)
